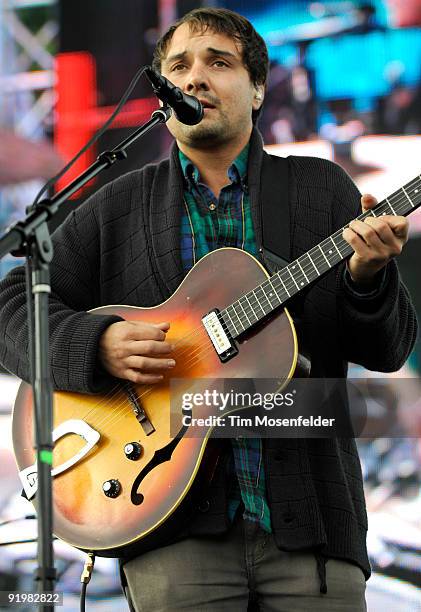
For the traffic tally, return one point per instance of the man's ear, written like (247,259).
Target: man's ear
(258,96)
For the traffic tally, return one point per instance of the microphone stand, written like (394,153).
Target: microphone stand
(31,237)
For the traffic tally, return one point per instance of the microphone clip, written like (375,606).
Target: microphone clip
(186,108)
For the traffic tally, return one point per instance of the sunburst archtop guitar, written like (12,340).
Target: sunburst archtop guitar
(120,478)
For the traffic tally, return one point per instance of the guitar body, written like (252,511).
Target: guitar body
(154,486)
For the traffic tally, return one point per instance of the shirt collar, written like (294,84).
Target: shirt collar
(236,172)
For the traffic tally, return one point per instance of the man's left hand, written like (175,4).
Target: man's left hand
(375,241)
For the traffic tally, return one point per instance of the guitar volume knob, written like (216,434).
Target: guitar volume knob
(133,450)
(111,487)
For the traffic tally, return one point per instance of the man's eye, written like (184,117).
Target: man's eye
(220,62)
(177,67)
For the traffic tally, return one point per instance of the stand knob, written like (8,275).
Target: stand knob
(133,450)
(111,487)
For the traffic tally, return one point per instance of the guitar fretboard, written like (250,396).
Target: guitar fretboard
(255,305)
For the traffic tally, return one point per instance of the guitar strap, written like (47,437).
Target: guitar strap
(275,211)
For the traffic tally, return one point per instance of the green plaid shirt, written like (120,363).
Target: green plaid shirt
(209,223)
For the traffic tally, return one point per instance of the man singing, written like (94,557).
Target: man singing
(283,523)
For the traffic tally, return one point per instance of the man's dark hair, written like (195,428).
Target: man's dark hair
(223,21)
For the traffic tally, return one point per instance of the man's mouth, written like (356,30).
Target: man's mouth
(206,104)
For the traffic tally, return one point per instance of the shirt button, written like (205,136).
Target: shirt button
(212,206)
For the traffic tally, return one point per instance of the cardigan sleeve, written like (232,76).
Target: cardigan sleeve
(377,331)
(73,333)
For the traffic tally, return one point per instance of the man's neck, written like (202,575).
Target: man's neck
(213,163)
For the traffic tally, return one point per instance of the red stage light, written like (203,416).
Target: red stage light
(78,115)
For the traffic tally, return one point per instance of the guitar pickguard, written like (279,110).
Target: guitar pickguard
(28,475)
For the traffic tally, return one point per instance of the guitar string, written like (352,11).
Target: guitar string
(118,388)
(197,352)
(308,267)
(113,417)
(290,282)
(150,389)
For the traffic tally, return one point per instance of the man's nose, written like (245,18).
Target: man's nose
(196,80)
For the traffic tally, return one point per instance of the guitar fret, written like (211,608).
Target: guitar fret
(283,284)
(270,294)
(276,293)
(409,199)
(264,295)
(346,248)
(314,265)
(334,244)
(239,302)
(239,316)
(291,275)
(302,271)
(391,207)
(251,308)
(267,297)
(327,261)
(236,314)
(258,303)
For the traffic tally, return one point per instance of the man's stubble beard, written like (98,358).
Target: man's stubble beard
(207,133)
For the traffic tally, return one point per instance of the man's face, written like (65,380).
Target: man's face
(209,66)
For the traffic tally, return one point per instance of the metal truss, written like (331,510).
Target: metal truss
(26,67)
(26,92)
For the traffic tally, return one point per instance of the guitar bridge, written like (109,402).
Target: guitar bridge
(223,343)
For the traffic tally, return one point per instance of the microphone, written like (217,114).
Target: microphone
(187,108)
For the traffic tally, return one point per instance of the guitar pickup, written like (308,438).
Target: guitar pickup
(224,345)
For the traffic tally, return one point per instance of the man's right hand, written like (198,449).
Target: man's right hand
(136,351)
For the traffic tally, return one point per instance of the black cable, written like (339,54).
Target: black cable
(94,138)
(83,596)
(86,577)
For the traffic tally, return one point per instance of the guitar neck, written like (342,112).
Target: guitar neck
(254,306)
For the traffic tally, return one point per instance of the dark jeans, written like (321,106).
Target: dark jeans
(239,571)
